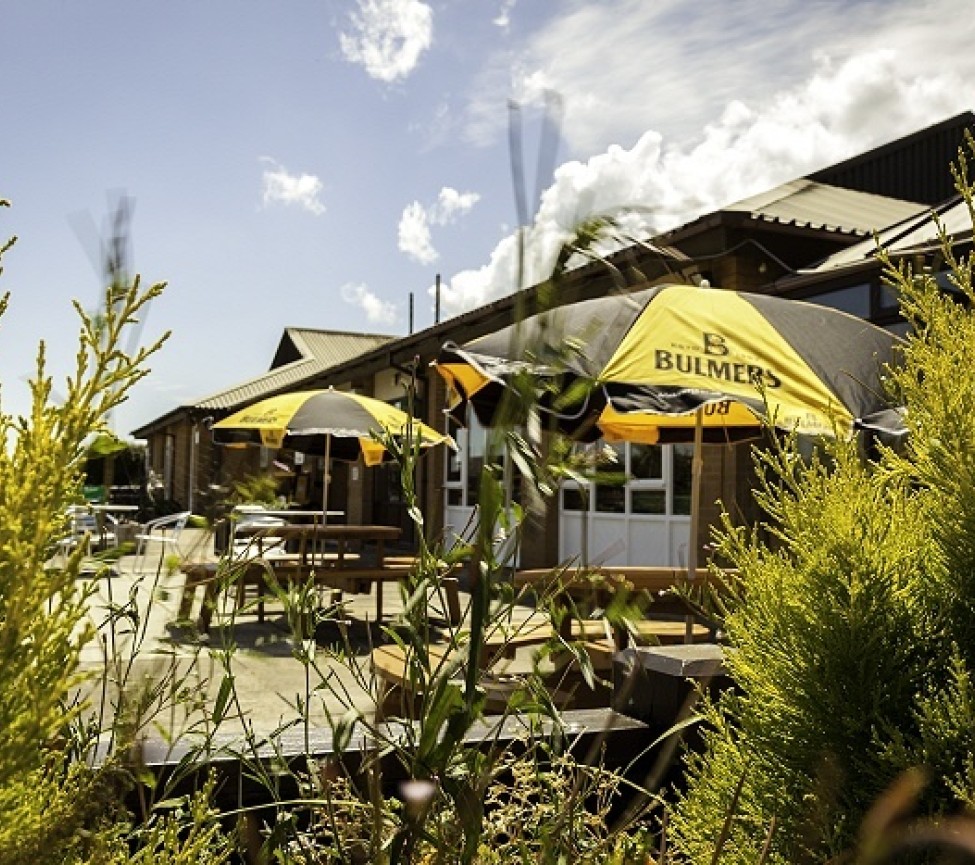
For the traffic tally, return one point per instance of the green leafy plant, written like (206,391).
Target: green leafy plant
(852,627)
(56,807)
(259,489)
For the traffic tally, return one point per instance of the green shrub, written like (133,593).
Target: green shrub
(54,808)
(260,489)
(853,630)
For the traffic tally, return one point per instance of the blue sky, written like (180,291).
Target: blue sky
(313,163)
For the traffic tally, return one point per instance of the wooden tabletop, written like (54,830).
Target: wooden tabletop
(653,578)
(242,512)
(608,579)
(331,531)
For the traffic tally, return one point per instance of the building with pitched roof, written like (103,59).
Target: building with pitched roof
(810,238)
(181,454)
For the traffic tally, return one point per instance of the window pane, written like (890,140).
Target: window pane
(943,278)
(901,328)
(473,480)
(854,300)
(610,500)
(477,444)
(646,462)
(454,457)
(648,502)
(619,448)
(573,499)
(517,489)
(888,298)
(455,496)
(683,456)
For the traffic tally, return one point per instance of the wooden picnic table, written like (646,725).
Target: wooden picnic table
(596,583)
(326,552)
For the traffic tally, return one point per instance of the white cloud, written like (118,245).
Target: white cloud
(377,311)
(451,204)
(414,234)
(414,226)
(503,18)
(625,66)
(388,37)
(436,128)
(844,105)
(280,187)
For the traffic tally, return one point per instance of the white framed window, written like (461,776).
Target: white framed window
(463,475)
(658,482)
(464,465)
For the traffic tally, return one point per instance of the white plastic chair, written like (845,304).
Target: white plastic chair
(82,527)
(107,532)
(163,530)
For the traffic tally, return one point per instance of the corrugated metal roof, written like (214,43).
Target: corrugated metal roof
(913,234)
(321,350)
(807,203)
(332,347)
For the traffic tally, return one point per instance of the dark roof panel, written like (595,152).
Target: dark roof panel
(913,168)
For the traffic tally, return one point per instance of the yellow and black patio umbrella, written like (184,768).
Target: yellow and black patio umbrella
(680,363)
(331,423)
(643,364)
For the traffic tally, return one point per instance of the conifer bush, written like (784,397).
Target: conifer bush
(55,807)
(852,632)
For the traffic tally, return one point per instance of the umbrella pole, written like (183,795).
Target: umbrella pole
(697,466)
(327,477)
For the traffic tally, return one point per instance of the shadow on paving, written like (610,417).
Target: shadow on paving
(361,636)
(273,637)
(270,638)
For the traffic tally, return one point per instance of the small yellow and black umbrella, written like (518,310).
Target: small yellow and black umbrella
(680,363)
(332,423)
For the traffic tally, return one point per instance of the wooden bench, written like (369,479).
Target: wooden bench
(537,630)
(637,578)
(239,789)
(397,687)
(252,574)
(210,576)
(357,579)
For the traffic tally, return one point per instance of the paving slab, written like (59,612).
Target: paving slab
(274,676)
